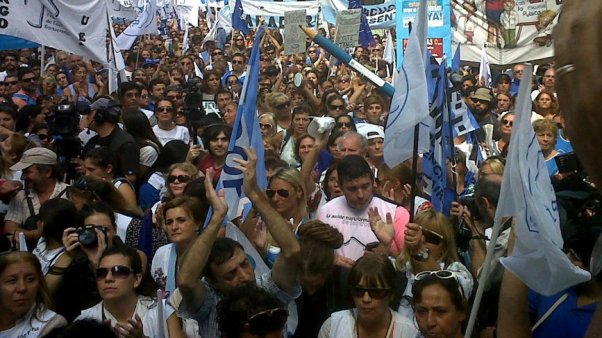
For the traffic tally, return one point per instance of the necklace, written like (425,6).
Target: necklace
(390,330)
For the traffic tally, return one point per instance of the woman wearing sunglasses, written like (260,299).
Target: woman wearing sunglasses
(372,282)
(125,304)
(500,147)
(24,299)
(344,123)
(429,245)
(440,307)
(71,279)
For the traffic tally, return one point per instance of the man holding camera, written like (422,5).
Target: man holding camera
(41,177)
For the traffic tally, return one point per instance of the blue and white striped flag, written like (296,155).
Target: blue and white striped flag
(238,21)
(246,133)
(527,194)
(409,106)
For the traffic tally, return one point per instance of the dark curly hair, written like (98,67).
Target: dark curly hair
(318,241)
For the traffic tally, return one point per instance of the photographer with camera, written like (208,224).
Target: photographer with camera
(42,182)
(484,204)
(71,279)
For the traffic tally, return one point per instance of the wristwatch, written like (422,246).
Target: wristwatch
(422,255)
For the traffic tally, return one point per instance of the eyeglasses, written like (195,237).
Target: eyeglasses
(343,80)
(432,236)
(374,293)
(43,137)
(217,53)
(311,51)
(165,109)
(176,97)
(440,274)
(237,62)
(180,178)
(232,82)
(508,123)
(117,271)
(479,101)
(281,192)
(336,107)
(518,71)
(267,321)
(265,126)
(11,83)
(144,96)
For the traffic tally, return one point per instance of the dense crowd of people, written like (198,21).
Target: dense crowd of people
(110,193)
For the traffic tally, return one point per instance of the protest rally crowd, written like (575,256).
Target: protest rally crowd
(109,196)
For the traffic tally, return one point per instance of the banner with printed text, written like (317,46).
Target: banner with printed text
(511,30)
(273,12)
(438,34)
(379,16)
(78,27)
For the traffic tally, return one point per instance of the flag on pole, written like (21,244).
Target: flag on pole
(246,133)
(389,50)
(238,21)
(409,105)
(74,26)
(463,121)
(484,70)
(527,194)
(145,23)
(456,60)
(434,162)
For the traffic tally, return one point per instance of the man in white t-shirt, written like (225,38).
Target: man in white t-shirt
(349,213)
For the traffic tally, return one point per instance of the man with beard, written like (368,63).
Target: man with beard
(216,139)
(29,87)
(10,65)
(40,172)
(482,100)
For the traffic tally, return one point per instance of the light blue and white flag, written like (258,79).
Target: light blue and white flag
(463,121)
(409,106)
(484,69)
(246,133)
(434,162)
(527,194)
(145,23)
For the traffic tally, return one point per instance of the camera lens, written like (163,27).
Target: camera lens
(87,237)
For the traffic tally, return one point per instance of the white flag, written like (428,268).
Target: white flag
(409,105)
(527,194)
(77,28)
(484,70)
(145,23)
(389,51)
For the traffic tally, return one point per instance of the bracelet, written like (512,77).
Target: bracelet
(58,271)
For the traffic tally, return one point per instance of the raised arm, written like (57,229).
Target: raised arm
(189,276)
(310,162)
(285,268)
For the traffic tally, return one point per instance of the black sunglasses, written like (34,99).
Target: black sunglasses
(374,293)
(344,124)
(165,109)
(336,107)
(180,178)
(432,237)
(281,192)
(117,271)
(508,123)
(267,321)
(43,137)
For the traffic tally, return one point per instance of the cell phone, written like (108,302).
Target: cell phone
(567,163)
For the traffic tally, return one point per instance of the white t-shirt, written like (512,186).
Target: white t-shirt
(34,325)
(353,223)
(178,133)
(146,308)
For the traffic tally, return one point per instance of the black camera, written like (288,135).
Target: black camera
(87,235)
